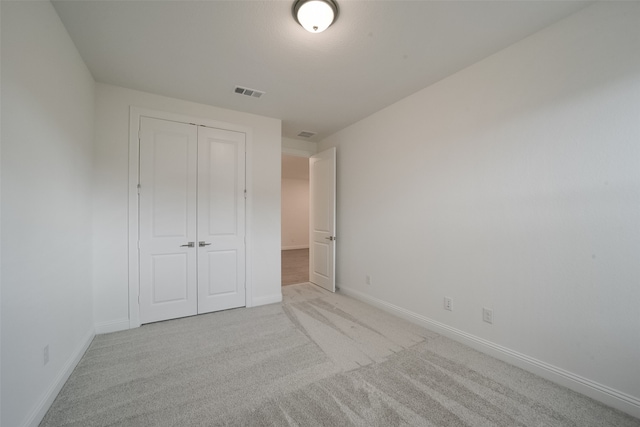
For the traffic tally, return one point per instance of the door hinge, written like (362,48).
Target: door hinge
(139,134)
(138,188)
(245,193)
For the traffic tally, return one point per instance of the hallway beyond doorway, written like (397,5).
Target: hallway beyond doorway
(295,266)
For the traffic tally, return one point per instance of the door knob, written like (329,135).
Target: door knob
(330,238)
(203,244)
(189,245)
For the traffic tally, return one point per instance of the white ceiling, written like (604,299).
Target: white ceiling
(376,53)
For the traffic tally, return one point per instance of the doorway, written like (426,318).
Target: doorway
(295,220)
(309,215)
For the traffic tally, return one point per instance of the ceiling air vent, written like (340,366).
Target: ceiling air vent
(248,92)
(306,134)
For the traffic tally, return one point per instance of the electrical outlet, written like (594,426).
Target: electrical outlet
(45,354)
(487,315)
(448,304)
(367,280)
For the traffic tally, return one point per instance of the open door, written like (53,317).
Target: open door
(322,221)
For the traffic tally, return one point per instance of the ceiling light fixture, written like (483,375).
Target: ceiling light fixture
(315,16)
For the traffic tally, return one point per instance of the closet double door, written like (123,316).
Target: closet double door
(192,219)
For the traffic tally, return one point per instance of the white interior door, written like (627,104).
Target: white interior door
(322,213)
(168,154)
(221,213)
(191,220)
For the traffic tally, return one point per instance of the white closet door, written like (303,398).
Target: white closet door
(221,219)
(168,161)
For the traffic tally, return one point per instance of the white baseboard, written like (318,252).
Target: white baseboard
(289,248)
(269,299)
(607,395)
(112,326)
(45,403)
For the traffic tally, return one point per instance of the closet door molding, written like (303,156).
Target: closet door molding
(135,115)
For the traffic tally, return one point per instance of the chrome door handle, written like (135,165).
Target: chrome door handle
(189,245)
(203,244)
(330,238)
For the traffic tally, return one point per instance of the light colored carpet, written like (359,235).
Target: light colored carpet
(295,266)
(317,359)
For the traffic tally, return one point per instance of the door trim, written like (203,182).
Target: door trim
(135,113)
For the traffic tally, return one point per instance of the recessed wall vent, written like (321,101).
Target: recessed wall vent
(306,134)
(248,92)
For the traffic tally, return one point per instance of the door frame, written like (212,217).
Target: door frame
(135,113)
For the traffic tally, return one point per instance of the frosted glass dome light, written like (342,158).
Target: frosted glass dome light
(315,16)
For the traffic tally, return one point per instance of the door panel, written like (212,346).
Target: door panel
(171,179)
(321,259)
(170,278)
(223,182)
(223,273)
(322,200)
(221,213)
(168,155)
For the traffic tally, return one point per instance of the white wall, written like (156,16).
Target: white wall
(514,185)
(111,164)
(0,222)
(47,139)
(297,147)
(295,213)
